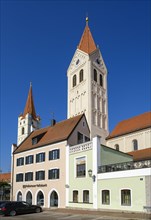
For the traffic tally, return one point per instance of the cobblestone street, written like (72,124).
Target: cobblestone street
(63,214)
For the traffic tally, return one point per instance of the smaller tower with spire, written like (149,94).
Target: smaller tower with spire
(28,121)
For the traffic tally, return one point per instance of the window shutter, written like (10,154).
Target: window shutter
(17,162)
(26,160)
(58,154)
(37,158)
(36,174)
(22,161)
(26,178)
(57,173)
(32,158)
(31,176)
(43,156)
(43,175)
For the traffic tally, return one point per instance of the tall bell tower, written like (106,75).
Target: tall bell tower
(28,121)
(87,85)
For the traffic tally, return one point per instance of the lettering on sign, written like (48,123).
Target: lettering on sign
(36,185)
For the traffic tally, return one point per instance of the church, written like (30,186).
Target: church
(76,162)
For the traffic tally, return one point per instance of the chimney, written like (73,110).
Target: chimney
(53,122)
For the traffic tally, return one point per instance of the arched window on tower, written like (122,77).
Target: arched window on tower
(23,130)
(117,147)
(74,82)
(95,75)
(101,80)
(135,144)
(81,75)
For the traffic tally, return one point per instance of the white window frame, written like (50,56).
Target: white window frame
(120,193)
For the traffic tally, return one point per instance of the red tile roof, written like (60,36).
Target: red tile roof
(5,177)
(87,43)
(52,134)
(143,154)
(131,125)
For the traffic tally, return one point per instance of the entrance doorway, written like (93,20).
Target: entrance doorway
(29,198)
(40,198)
(54,199)
(19,196)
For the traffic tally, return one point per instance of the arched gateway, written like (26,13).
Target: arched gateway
(29,197)
(54,199)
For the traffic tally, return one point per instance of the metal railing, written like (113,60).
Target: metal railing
(124,166)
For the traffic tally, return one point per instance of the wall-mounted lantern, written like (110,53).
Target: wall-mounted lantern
(90,175)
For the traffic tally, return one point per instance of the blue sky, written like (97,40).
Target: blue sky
(38,41)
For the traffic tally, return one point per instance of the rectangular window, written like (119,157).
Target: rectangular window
(86,196)
(29,159)
(80,166)
(86,139)
(20,161)
(19,177)
(53,174)
(75,196)
(126,197)
(40,175)
(80,138)
(29,176)
(40,157)
(105,197)
(54,154)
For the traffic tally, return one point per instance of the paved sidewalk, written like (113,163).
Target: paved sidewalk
(106,214)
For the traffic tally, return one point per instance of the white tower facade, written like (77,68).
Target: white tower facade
(28,121)
(87,86)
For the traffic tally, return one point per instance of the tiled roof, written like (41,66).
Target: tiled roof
(131,125)
(143,154)
(5,177)
(29,107)
(87,43)
(48,135)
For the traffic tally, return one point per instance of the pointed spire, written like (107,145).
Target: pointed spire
(87,43)
(29,107)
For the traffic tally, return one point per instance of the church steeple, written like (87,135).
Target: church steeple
(87,85)
(87,43)
(28,121)
(29,107)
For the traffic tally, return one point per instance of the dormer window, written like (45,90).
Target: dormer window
(34,140)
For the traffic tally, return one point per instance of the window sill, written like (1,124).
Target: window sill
(81,202)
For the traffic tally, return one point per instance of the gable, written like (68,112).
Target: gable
(83,128)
